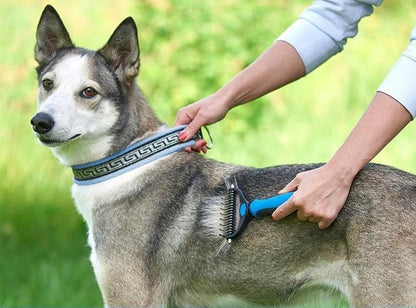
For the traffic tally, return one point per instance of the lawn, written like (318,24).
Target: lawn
(188,50)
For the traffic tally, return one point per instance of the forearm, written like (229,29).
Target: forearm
(276,67)
(382,121)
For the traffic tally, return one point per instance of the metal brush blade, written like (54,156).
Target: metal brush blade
(230,213)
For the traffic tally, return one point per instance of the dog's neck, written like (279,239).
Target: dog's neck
(137,155)
(136,121)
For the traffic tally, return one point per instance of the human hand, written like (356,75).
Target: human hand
(206,111)
(320,194)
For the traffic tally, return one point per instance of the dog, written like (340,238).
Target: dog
(154,230)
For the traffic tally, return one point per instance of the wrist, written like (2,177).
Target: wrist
(344,169)
(228,96)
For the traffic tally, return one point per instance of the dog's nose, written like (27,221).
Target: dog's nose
(42,123)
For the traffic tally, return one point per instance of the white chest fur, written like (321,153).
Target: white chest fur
(110,191)
(89,197)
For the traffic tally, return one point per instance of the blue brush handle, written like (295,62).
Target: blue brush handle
(262,207)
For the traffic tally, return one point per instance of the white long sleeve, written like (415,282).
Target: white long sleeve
(400,82)
(323,29)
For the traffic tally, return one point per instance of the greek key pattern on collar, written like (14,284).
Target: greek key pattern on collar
(126,159)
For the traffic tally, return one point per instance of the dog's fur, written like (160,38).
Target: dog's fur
(154,231)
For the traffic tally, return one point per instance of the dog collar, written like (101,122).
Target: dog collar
(132,157)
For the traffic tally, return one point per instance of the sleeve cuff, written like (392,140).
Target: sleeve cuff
(306,38)
(400,84)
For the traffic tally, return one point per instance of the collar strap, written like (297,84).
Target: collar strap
(132,157)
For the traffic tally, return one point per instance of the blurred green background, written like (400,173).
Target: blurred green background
(188,50)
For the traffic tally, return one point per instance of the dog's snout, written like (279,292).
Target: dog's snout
(42,123)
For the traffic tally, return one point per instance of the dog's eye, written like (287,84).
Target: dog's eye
(47,84)
(88,92)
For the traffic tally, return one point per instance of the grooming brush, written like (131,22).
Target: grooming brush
(232,226)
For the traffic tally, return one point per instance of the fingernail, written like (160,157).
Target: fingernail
(182,136)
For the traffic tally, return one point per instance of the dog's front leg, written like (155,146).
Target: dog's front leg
(121,284)
(124,292)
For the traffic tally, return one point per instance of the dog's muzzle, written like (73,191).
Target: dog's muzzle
(42,123)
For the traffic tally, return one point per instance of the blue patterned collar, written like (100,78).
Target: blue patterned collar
(132,157)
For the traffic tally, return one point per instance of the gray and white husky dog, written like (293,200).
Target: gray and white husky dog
(154,230)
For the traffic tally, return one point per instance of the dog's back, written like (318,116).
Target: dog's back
(369,252)
(170,233)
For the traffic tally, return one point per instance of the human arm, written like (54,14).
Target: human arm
(321,193)
(321,31)
(277,66)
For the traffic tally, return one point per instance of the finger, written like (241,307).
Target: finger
(181,121)
(291,186)
(184,116)
(200,145)
(313,220)
(284,210)
(190,130)
(301,216)
(325,223)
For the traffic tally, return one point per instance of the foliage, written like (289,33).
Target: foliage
(188,50)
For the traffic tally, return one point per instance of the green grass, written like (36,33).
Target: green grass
(189,49)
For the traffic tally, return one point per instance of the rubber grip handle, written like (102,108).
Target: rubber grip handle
(263,207)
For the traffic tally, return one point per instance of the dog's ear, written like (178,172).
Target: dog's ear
(122,52)
(51,36)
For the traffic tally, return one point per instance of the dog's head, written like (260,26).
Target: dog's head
(81,92)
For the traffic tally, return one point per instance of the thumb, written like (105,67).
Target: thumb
(182,118)
(291,186)
(190,130)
